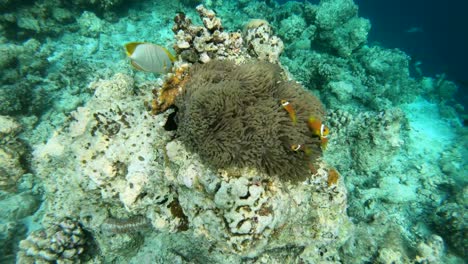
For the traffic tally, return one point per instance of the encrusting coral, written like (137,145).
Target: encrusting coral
(172,87)
(232,116)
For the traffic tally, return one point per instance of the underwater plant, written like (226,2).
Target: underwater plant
(249,115)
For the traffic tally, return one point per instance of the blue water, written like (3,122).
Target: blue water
(439,40)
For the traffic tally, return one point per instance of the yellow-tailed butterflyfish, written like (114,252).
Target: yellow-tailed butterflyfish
(149,57)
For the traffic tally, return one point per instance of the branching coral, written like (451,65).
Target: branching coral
(232,116)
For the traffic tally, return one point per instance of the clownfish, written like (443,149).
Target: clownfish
(289,108)
(319,129)
(301,147)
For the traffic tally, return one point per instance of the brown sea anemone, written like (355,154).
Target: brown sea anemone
(232,116)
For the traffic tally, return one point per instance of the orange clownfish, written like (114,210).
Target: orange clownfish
(289,108)
(319,129)
(302,147)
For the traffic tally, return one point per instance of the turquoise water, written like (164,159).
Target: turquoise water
(93,168)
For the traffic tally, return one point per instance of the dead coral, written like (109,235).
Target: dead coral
(232,117)
(261,43)
(204,43)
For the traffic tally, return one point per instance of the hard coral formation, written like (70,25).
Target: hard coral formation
(244,214)
(262,44)
(116,160)
(339,27)
(450,221)
(232,116)
(202,44)
(63,242)
(26,61)
(372,78)
(382,131)
(12,152)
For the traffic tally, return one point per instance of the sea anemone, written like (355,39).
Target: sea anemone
(232,116)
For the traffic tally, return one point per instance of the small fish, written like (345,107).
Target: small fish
(296,147)
(320,130)
(289,108)
(414,30)
(301,147)
(149,57)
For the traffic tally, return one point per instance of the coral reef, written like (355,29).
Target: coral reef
(21,61)
(108,157)
(245,213)
(12,153)
(232,117)
(39,19)
(262,44)
(338,26)
(90,25)
(117,160)
(197,43)
(372,79)
(63,242)
(431,251)
(102,158)
(15,211)
(202,44)
(381,132)
(99,5)
(450,222)
(397,188)
(292,28)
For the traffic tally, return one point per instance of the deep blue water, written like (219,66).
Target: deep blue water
(441,40)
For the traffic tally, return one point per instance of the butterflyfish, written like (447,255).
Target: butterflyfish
(149,57)
(290,109)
